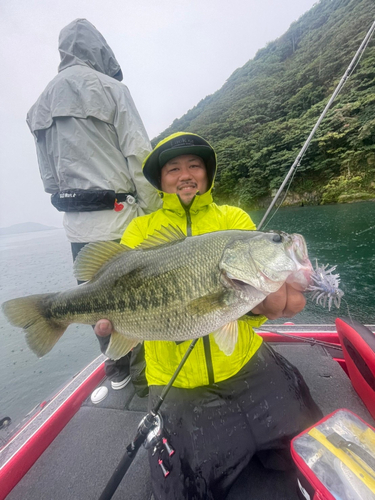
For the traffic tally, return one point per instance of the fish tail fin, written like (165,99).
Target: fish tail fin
(42,332)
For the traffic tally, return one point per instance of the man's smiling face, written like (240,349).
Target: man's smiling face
(184,175)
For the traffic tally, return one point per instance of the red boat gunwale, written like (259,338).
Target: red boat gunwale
(36,435)
(26,454)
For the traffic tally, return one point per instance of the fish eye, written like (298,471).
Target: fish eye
(277,238)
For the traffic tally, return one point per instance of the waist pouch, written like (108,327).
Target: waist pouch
(336,459)
(89,200)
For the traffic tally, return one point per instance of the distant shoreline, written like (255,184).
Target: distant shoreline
(25,227)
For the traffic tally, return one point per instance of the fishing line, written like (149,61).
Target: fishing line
(360,57)
(340,85)
(365,230)
(347,306)
(286,191)
(356,64)
(309,340)
(285,195)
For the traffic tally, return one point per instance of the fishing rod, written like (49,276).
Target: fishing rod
(145,429)
(342,82)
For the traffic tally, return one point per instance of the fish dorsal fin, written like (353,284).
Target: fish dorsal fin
(163,236)
(226,337)
(93,256)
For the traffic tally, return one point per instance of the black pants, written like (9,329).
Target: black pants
(215,430)
(115,370)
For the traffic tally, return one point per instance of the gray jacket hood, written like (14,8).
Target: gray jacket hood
(80,43)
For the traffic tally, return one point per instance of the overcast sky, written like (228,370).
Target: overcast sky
(173,53)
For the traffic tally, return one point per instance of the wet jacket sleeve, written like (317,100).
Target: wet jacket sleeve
(46,165)
(135,146)
(148,197)
(133,234)
(238,219)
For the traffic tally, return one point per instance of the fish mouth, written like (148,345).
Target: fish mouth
(235,283)
(296,246)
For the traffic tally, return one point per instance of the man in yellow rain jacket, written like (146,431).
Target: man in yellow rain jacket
(221,409)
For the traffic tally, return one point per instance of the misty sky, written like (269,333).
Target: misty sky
(173,53)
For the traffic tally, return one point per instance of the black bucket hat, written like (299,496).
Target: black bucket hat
(180,143)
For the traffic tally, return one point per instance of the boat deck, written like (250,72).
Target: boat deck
(82,458)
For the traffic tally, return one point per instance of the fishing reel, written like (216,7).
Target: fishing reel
(154,435)
(157,441)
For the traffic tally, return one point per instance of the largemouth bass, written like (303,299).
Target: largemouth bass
(171,287)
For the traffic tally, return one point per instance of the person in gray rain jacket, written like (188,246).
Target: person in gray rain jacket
(90,143)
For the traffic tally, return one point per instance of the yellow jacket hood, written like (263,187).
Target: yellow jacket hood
(180,143)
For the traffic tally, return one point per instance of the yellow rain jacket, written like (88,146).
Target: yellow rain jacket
(207,363)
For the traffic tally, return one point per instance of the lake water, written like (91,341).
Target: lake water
(33,263)
(342,235)
(41,262)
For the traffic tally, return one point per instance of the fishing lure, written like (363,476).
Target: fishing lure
(325,288)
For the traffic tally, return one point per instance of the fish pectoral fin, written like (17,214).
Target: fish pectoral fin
(119,345)
(226,337)
(208,303)
(93,256)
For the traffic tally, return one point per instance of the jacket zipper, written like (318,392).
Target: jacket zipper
(188,221)
(206,340)
(207,353)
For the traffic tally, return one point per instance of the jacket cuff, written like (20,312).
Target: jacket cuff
(255,320)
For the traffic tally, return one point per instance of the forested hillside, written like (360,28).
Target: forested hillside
(259,120)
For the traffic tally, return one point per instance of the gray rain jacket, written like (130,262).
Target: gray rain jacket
(89,134)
